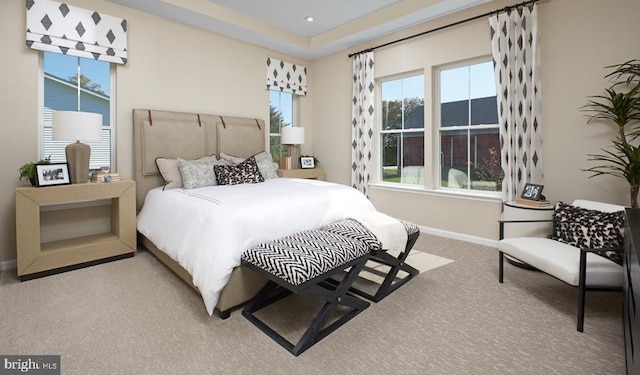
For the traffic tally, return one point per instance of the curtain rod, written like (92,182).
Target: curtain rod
(497,11)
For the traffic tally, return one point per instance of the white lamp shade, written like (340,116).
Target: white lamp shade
(77,126)
(292,136)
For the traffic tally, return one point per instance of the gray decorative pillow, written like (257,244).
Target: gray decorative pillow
(589,229)
(170,170)
(264,160)
(246,172)
(198,173)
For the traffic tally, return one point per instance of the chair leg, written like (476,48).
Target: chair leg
(500,267)
(582,289)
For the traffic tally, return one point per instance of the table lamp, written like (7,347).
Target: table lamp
(292,137)
(77,126)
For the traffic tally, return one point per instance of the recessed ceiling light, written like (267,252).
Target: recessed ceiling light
(309,18)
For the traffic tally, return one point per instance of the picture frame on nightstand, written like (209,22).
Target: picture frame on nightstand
(307,162)
(52,174)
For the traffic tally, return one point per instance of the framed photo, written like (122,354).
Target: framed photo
(307,162)
(532,192)
(52,174)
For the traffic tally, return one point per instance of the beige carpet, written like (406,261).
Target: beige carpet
(421,261)
(134,317)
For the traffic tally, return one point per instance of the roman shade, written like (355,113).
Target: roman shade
(69,30)
(286,77)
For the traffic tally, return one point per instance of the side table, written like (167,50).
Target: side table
(311,173)
(35,259)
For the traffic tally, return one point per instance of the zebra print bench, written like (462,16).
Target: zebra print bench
(302,263)
(394,263)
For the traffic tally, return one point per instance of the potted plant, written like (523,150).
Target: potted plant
(28,171)
(621,106)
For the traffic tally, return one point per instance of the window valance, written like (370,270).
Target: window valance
(69,30)
(287,77)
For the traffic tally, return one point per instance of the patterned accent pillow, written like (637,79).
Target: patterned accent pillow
(592,229)
(263,159)
(246,172)
(198,173)
(170,170)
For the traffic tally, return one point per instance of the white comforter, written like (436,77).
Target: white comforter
(206,230)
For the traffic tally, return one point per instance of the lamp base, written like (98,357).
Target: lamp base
(294,152)
(78,155)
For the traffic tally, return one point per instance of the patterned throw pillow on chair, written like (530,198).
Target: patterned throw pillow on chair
(592,229)
(246,172)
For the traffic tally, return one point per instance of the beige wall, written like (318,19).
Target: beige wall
(176,67)
(171,66)
(578,40)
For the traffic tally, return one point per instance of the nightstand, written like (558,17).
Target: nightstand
(35,258)
(311,173)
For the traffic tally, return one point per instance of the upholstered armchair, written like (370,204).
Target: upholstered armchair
(584,250)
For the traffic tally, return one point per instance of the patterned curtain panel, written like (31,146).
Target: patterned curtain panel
(362,120)
(286,77)
(516,58)
(61,28)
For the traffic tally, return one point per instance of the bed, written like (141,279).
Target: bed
(233,218)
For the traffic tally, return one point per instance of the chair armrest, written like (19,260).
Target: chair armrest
(503,222)
(583,260)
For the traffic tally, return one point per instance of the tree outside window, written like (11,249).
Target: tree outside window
(280,115)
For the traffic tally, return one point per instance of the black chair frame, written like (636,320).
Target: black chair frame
(582,287)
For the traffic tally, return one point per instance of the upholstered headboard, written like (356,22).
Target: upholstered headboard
(188,136)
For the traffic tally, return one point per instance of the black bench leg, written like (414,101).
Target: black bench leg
(332,297)
(396,264)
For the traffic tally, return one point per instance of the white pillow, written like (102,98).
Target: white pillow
(264,160)
(198,173)
(170,170)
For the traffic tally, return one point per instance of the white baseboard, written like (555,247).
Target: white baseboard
(7,265)
(459,236)
(11,264)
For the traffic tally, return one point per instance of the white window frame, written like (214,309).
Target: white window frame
(437,154)
(294,110)
(112,111)
(378,132)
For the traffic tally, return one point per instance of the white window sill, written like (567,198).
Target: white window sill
(476,195)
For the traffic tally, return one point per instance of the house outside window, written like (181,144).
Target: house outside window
(402,130)
(280,115)
(77,84)
(468,128)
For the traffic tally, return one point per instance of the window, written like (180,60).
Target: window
(280,115)
(77,84)
(468,128)
(402,130)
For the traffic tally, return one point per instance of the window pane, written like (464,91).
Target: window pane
(392,104)
(412,158)
(390,157)
(454,97)
(402,110)
(454,156)
(486,168)
(470,154)
(482,87)
(61,93)
(280,114)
